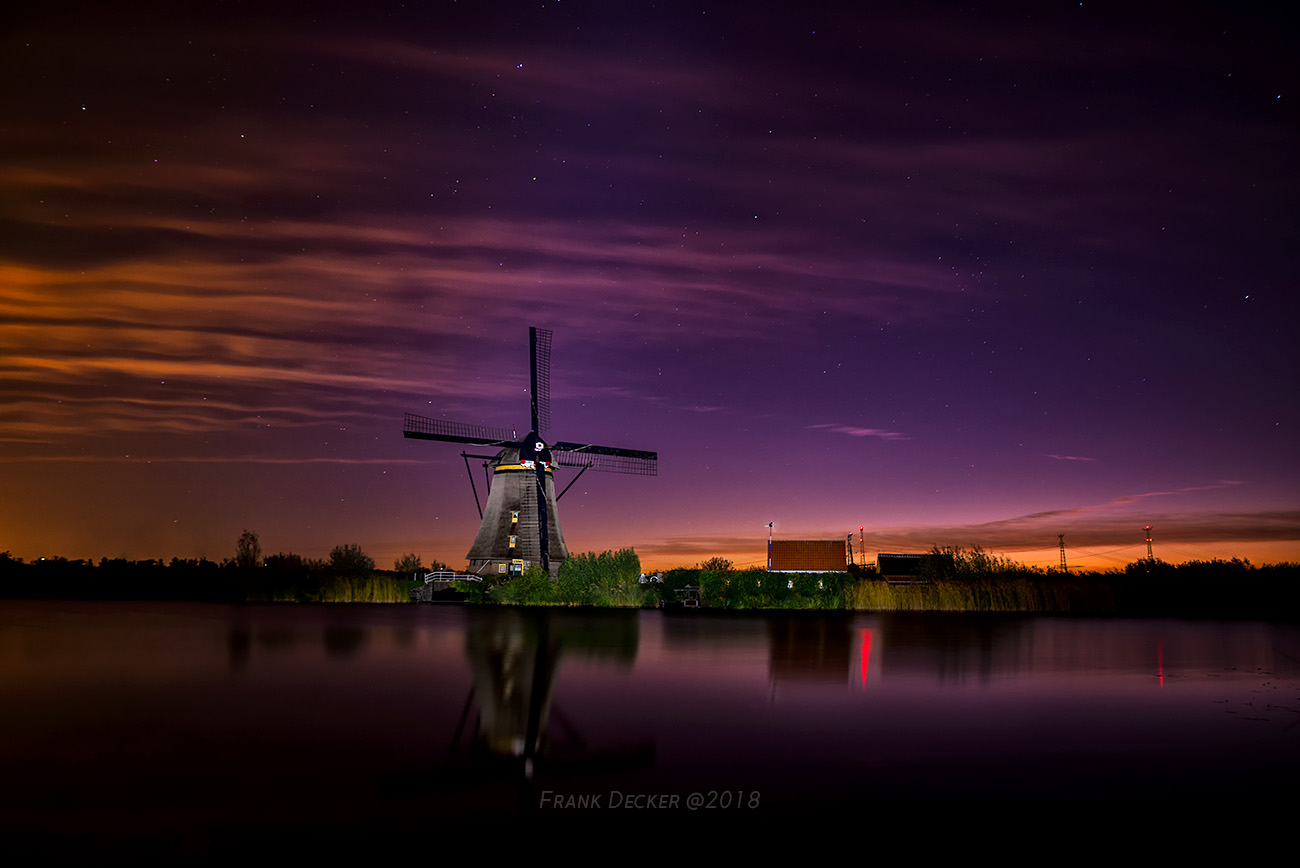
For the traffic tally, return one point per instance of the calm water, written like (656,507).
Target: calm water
(201,727)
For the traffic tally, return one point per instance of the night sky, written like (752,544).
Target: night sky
(958,276)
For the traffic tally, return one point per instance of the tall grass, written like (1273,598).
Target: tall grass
(955,579)
(322,588)
(992,594)
(605,579)
(609,579)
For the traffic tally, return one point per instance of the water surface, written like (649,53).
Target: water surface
(199,727)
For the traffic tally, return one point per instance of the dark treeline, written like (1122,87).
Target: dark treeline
(955,580)
(1204,589)
(349,576)
(972,580)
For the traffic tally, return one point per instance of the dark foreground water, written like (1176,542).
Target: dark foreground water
(168,729)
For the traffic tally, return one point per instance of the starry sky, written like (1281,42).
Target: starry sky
(957,274)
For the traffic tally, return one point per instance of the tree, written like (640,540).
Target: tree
(408,564)
(716,565)
(350,560)
(290,562)
(248,551)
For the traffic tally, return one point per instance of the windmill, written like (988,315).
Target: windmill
(520,523)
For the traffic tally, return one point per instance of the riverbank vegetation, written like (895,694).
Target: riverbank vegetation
(961,580)
(348,576)
(950,580)
(972,580)
(609,579)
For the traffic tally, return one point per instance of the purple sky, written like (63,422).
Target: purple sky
(959,277)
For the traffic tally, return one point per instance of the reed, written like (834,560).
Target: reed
(1045,594)
(317,588)
(608,579)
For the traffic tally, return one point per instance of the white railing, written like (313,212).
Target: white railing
(450,576)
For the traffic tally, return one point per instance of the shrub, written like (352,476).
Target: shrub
(350,560)
(605,579)
(533,588)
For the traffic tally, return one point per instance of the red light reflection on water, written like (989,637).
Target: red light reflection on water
(866,655)
(1160,660)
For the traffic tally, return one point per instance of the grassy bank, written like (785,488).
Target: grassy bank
(972,581)
(374,588)
(282,579)
(956,581)
(759,589)
(991,595)
(608,580)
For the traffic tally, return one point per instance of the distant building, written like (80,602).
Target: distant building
(808,556)
(901,567)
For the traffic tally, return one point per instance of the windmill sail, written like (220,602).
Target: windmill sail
(520,524)
(609,459)
(539,356)
(424,428)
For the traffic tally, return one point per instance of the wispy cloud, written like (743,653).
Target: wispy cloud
(1010,536)
(1105,524)
(213,459)
(686,550)
(1080,512)
(852,431)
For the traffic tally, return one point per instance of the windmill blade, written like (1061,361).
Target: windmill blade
(539,354)
(424,428)
(610,459)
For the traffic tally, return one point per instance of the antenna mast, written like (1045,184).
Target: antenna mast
(1150,557)
(1061,537)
